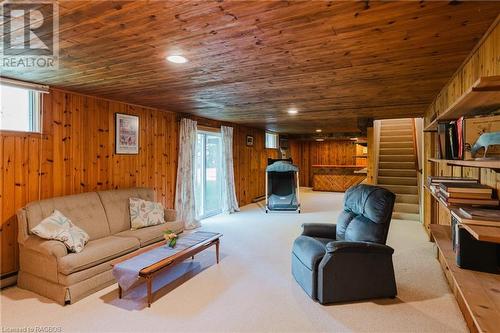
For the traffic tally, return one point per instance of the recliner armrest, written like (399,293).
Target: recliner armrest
(358,247)
(47,247)
(323,230)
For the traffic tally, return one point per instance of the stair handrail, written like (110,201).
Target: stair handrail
(376,150)
(415,147)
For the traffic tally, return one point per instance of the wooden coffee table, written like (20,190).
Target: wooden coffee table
(148,273)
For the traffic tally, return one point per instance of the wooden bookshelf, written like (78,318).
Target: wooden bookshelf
(476,292)
(470,92)
(483,97)
(491,164)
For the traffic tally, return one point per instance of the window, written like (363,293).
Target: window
(271,140)
(19,109)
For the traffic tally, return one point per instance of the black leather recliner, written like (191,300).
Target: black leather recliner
(349,260)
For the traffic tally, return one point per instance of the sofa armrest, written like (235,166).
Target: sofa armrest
(170,215)
(323,230)
(53,248)
(358,247)
(22,226)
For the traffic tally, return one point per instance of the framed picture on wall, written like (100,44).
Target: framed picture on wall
(249,141)
(126,134)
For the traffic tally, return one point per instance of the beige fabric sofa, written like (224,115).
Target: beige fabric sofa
(48,269)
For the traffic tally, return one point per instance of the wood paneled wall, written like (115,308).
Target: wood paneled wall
(75,154)
(483,61)
(307,153)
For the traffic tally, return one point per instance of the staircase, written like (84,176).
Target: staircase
(396,170)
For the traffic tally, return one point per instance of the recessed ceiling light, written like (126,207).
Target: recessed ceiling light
(293,111)
(177,59)
(318,130)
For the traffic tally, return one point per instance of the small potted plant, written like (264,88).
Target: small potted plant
(170,237)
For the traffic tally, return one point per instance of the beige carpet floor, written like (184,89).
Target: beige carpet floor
(252,290)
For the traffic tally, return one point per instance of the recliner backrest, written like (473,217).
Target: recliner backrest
(367,214)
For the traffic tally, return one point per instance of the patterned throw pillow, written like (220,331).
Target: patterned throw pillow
(145,213)
(59,227)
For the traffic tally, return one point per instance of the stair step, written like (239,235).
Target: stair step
(397,173)
(406,208)
(407,198)
(403,126)
(396,158)
(400,189)
(405,216)
(396,120)
(404,132)
(396,151)
(396,165)
(402,144)
(388,137)
(397,180)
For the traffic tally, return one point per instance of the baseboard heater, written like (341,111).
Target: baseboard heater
(8,279)
(259,198)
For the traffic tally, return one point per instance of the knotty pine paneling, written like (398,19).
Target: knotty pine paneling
(483,61)
(343,60)
(75,154)
(308,153)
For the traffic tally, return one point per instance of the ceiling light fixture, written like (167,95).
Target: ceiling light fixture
(177,59)
(319,130)
(320,139)
(293,111)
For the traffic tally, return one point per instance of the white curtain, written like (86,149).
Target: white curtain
(229,201)
(185,202)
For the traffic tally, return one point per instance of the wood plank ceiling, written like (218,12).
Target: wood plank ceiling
(338,63)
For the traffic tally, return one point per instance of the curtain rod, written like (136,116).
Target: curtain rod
(208,128)
(23,84)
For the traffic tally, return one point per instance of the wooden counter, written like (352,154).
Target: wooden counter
(336,178)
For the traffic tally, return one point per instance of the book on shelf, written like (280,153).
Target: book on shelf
(467,195)
(467,201)
(443,179)
(460,137)
(465,188)
(469,215)
(448,143)
(480,213)
(452,140)
(441,138)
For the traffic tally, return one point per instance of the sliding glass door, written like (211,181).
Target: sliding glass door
(208,174)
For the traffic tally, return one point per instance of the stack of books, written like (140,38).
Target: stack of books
(433,182)
(450,143)
(460,193)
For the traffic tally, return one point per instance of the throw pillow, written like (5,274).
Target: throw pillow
(145,213)
(59,227)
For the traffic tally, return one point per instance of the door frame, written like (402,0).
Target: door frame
(204,213)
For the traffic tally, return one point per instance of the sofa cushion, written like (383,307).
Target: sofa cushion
(59,227)
(116,205)
(150,235)
(144,213)
(96,252)
(84,210)
(310,250)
